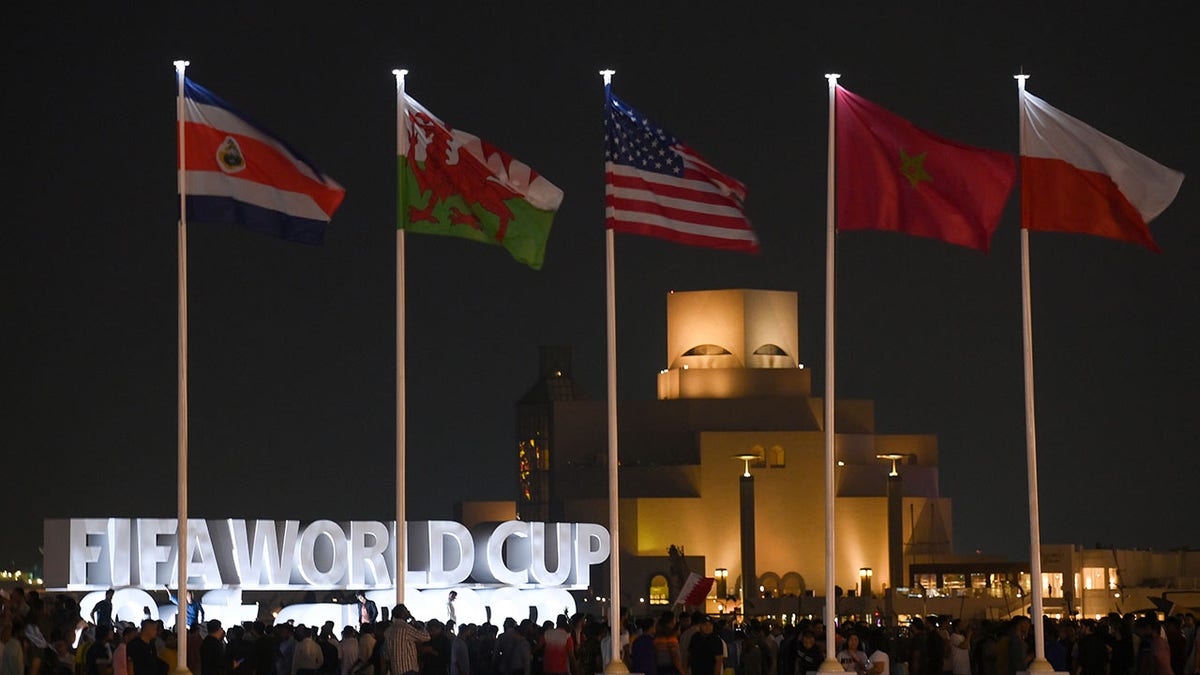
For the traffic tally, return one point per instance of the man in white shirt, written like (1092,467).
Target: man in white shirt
(308,657)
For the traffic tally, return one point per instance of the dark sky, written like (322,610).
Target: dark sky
(292,359)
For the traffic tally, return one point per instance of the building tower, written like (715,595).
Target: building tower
(535,424)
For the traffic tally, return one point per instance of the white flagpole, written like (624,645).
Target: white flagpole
(830,664)
(182,423)
(614,664)
(1035,534)
(401,419)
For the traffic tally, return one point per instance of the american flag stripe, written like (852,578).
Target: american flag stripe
(659,187)
(680,188)
(695,235)
(675,200)
(704,214)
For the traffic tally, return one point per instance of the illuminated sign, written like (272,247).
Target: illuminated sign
(99,553)
(505,567)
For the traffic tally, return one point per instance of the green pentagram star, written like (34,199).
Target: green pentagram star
(912,167)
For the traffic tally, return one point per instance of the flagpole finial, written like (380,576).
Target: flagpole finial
(180,65)
(607,75)
(1020,78)
(400,73)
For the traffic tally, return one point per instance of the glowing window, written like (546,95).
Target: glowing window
(1093,578)
(1052,583)
(660,590)
(777,456)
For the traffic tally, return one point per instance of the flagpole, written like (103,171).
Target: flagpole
(830,664)
(181,484)
(614,664)
(401,538)
(1039,663)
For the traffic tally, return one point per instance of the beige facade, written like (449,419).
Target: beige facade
(733,385)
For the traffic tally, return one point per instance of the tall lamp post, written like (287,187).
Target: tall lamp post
(746,490)
(895,521)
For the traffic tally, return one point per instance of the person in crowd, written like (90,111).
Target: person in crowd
(706,650)
(460,656)
(668,658)
(558,647)
(809,655)
(102,613)
(368,611)
(120,656)
(308,657)
(348,650)
(641,651)
(435,653)
(402,638)
(99,656)
(852,657)
(239,651)
(142,652)
(513,655)
(212,650)
(194,610)
(880,655)
(330,662)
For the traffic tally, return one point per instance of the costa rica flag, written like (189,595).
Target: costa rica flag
(238,172)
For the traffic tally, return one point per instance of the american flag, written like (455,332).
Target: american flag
(659,187)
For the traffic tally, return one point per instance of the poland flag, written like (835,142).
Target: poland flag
(1076,179)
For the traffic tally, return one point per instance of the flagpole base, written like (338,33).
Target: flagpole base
(831,666)
(1040,666)
(181,671)
(616,667)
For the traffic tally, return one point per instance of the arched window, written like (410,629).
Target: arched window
(777,457)
(660,590)
(706,350)
(768,582)
(792,584)
(770,350)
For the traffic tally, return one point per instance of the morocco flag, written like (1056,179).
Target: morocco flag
(894,176)
(1076,179)
(455,184)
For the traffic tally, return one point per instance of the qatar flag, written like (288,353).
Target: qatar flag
(694,590)
(1076,179)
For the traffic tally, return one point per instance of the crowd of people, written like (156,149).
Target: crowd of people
(47,636)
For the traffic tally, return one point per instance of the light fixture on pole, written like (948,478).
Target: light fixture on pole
(746,458)
(746,503)
(864,581)
(722,576)
(895,520)
(892,457)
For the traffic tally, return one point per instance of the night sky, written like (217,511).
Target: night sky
(292,361)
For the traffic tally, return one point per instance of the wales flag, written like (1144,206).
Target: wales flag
(455,184)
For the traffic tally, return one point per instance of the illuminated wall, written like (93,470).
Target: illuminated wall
(733,385)
(789,513)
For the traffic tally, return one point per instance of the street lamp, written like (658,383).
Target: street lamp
(864,581)
(722,576)
(746,458)
(895,520)
(746,493)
